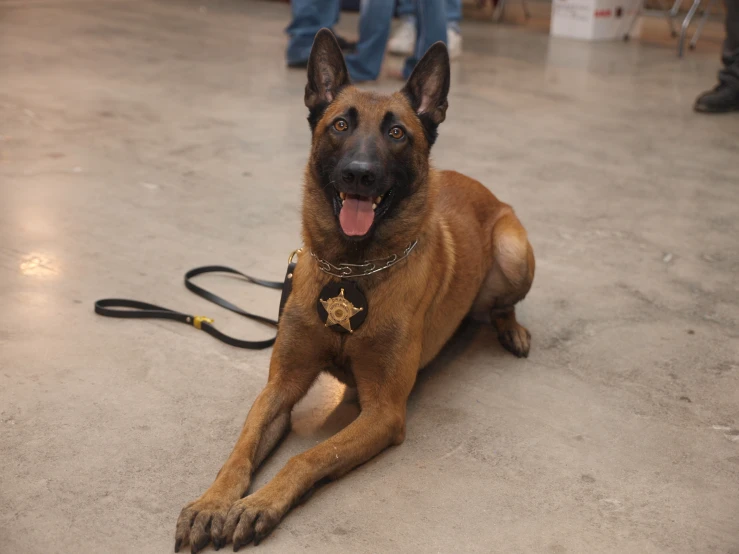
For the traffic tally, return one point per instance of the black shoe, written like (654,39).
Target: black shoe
(301,64)
(722,99)
(346,46)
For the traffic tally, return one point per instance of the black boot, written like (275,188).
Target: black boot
(724,98)
(347,47)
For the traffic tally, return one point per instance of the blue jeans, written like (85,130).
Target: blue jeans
(375,18)
(407,9)
(308,17)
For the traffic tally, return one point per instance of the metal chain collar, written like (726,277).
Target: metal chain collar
(362,270)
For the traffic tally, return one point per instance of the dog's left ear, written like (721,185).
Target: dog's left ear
(428,87)
(327,74)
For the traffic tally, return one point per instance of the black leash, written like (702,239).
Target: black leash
(133,309)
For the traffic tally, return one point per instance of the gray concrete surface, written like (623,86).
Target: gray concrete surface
(138,140)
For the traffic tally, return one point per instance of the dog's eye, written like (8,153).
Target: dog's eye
(397,133)
(341,125)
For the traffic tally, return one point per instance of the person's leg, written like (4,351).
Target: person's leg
(453,14)
(725,97)
(431,28)
(406,8)
(308,17)
(454,33)
(375,17)
(730,57)
(403,40)
(335,11)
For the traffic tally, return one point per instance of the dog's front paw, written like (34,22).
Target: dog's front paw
(200,520)
(516,340)
(252,519)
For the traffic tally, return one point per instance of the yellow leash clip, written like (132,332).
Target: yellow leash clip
(198,321)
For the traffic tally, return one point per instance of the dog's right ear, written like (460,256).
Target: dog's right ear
(327,75)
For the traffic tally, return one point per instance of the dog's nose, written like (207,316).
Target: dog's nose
(359,174)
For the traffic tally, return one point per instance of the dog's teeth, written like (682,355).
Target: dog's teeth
(374,206)
(342,195)
(378,199)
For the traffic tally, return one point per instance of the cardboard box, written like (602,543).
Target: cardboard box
(593,19)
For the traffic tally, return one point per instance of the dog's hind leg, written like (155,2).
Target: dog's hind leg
(513,336)
(507,283)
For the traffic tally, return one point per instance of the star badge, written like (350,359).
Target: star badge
(340,310)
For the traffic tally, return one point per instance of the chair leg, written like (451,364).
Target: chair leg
(637,13)
(498,11)
(684,30)
(701,24)
(526,12)
(671,14)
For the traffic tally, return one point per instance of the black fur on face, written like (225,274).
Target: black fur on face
(369,146)
(364,138)
(314,115)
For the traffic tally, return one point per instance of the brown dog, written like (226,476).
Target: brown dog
(369,194)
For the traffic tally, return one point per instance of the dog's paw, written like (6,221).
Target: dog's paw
(199,521)
(516,340)
(251,519)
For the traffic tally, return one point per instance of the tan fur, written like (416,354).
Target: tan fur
(449,256)
(472,255)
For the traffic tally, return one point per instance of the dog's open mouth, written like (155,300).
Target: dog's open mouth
(358,213)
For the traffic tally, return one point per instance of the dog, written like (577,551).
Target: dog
(424,248)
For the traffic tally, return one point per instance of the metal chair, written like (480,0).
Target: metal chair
(687,21)
(668,13)
(671,14)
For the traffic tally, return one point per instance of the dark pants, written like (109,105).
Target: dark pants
(730,57)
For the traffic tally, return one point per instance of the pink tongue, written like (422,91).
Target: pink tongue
(356,216)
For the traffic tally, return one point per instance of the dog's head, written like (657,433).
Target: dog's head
(367,174)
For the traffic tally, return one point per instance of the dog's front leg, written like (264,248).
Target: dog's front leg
(383,395)
(267,422)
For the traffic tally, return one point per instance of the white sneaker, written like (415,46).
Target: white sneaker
(403,41)
(454,43)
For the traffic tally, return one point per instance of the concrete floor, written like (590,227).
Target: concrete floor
(137,141)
